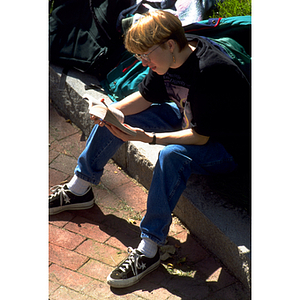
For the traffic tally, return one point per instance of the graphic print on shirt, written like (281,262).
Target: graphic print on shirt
(179,95)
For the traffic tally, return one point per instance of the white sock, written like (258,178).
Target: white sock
(78,186)
(147,247)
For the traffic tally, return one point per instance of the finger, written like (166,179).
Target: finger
(97,120)
(117,132)
(94,118)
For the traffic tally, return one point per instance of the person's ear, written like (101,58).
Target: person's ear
(171,45)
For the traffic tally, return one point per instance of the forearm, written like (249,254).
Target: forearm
(132,104)
(182,137)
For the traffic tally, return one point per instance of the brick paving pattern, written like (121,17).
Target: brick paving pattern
(85,246)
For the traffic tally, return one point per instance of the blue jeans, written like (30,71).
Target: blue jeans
(179,160)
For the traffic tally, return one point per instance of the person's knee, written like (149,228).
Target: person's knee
(173,155)
(167,152)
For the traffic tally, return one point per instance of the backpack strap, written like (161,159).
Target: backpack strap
(97,21)
(63,78)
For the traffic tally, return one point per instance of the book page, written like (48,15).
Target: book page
(107,114)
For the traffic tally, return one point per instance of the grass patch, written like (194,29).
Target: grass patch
(231,8)
(51,4)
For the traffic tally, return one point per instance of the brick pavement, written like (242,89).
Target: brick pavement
(84,246)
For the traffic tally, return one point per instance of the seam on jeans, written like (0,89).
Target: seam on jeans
(178,181)
(85,178)
(103,150)
(152,238)
(99,154)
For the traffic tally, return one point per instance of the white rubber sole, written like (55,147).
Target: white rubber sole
(123,283)
(76,206)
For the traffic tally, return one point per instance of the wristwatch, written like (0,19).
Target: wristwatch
(153,140)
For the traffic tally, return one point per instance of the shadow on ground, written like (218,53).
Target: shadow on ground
(190,273)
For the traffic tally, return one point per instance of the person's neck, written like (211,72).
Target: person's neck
(181,57)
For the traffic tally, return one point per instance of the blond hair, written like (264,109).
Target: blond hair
(154,28)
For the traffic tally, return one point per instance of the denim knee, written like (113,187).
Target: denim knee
(172,161)
(173,153)
(208,159)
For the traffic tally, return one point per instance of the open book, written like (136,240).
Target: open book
(107,114)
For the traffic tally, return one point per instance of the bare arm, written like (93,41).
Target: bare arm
(182,137)
(134,104)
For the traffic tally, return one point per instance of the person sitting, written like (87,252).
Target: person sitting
(196,102)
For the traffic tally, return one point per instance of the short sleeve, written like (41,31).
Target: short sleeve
(153,89)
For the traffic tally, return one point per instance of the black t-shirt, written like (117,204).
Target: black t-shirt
(212,94)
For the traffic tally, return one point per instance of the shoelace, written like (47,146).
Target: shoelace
(132,261)
(59,189)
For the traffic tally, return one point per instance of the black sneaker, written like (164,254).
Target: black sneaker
(63,199)
(132,269)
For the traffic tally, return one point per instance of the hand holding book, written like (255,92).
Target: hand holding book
(107,114)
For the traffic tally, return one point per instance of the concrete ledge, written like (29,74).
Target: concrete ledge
(223,229)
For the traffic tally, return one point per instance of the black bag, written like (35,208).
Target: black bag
(83,34)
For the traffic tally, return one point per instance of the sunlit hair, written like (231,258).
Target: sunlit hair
(154,28)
